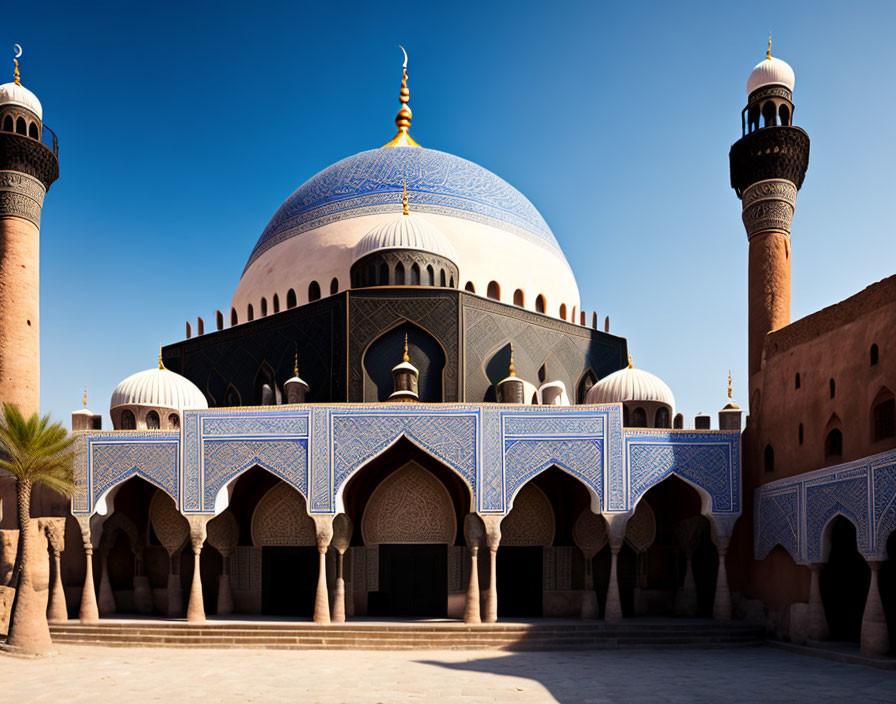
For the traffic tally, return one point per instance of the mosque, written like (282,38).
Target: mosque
(406,411)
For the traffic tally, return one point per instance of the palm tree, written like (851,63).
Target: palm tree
(32,451)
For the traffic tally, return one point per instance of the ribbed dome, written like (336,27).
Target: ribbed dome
(160,388)
(771,71)
(406,232)
(11,94)
(631,385)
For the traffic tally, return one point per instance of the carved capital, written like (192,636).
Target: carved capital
(55,530)
(769,205)
(323,527)
(492,531)
(198,531)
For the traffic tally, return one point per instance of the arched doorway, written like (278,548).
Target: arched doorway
(425,353)
(407,553)
(843,581)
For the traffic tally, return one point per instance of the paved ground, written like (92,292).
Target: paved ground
(125,675)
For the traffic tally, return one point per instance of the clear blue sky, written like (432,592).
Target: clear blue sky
(183,127)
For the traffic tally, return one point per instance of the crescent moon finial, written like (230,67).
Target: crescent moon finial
(18,48)
(404,65)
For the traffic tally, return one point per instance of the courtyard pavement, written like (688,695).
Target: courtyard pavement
(760,674)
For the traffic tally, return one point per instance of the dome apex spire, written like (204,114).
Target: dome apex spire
(161,363)
(768,52)
(16,76)
(404,198)
(403,118)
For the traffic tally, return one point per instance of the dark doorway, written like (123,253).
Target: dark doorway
(413,582)
(520,581)
(844,582)
(288,580)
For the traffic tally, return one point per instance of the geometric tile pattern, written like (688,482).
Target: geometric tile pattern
(795,512)
(495,448)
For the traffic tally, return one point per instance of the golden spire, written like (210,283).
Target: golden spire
(403,118)
(404,198)
(405,358)
(729,384)
(84,400)
(630,364)
(768,53)
(161,363)
(295,369)
(512,371)
(16,77)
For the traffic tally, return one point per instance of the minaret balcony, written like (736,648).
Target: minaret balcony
(767,153)
(36,157)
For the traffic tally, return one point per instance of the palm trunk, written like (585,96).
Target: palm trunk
(28,629)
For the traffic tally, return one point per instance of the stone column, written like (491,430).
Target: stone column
(721,606)
(473,533)
(107,600)
(89,612)
(875,638)
(492,540)
(196,605)
(616,524)
(817,627)
(342,538)
(324,529)
(56,608)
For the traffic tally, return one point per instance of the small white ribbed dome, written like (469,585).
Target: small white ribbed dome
(771,71)
(631,385)
(159,388)
(11,94)
(406,232)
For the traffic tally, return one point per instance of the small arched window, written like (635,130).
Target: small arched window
(313,291)
(451,282)
(7,124)
(291,299)
(384,275)
(334,286)
(784,114)
(152,421)
(661,419)
(563,311)
(250,312)
(234,319)
(442,280)
(399,274)
(678,423)
(768,114)
(582,318)
(801,434)
(572,316)
(832,387)
(470,287)
(128,421)
(639,418)
(796,380)
(875,354)
(276,301)
(493,291)
(539,304)
(174,421)
(21,128)
(32,131)
(769,458)
(593,320)
(753,117)
(833,445)
(430,276)
(415,274)
(883,416)
(264,306)
(518,298)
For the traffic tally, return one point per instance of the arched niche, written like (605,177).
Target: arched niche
(530,521)
(386,351)
(281,518)
(410,506)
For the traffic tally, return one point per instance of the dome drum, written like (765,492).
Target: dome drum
(402,267)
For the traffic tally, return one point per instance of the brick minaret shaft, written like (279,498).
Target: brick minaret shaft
(768,165)
(27,168)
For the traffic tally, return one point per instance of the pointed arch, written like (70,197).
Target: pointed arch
(281,518)
(584,384)
(531,521)
(383,352)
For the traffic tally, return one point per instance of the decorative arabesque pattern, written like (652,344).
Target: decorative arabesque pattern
(530,521)
(590,532)
(170,527)
(116,457)
(581,458)
(410,506)
(281,518)
(776,523)
(223,532)
(640,530)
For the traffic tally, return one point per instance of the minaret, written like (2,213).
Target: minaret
(404,378)
(768,164)
(28,165)
(511,388)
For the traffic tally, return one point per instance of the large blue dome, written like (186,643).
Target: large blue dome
(440,183)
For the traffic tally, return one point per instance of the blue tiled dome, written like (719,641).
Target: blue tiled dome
(440,183)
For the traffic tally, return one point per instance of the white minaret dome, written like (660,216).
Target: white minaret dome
(15,94)
(631,384)
(771,71)
(409,231)
(158,388)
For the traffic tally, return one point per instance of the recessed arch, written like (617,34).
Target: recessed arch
(883,415)
(563,311)
(540,303)
(334,286)
(313,291)
(531,521)
(290,299)
(385,351)
(519,298)
(493,291)
(281,518)
(469,287)
(531,474)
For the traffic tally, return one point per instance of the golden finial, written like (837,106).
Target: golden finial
(404,198)
(84,400)
(403,118)
(161,363)
(630,363)
(768,53)
(405,358)
(17,77)
(512,371)
(295,369)
(729,384)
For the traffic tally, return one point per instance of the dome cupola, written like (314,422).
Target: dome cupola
(646,399)
(405,378)
(153,400)
(295,388)
(771,71)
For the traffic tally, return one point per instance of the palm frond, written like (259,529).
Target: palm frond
(35,450)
